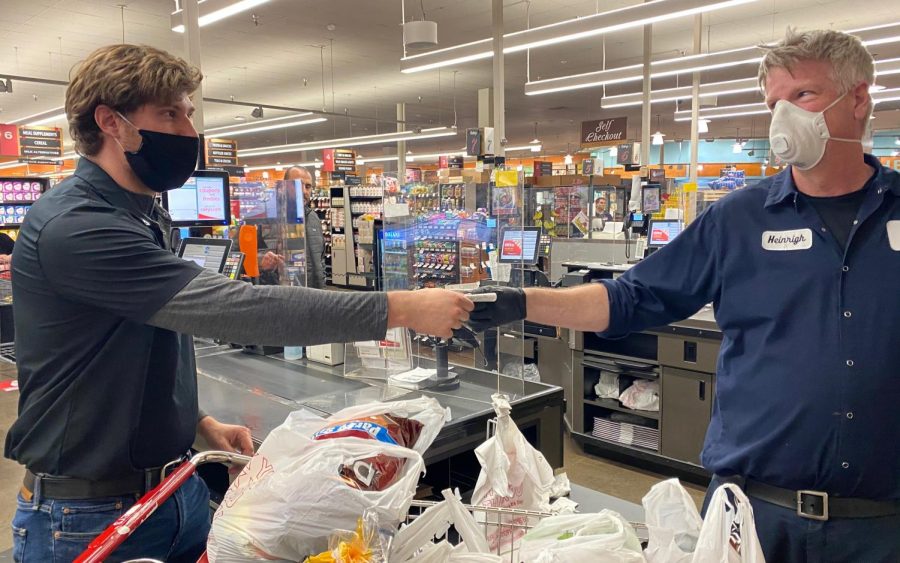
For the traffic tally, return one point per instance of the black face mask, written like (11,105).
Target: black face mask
(164,161)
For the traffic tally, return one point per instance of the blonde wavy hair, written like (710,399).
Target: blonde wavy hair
(123,77)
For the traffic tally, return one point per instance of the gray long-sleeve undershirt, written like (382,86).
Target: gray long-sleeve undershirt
(214,306)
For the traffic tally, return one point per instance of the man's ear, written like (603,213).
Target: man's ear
(861,101)
(105,117)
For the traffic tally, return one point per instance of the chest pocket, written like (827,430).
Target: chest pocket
(893,231)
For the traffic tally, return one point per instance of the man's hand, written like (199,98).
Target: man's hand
(435,312)
(226,437)
(270,261)
(509,307)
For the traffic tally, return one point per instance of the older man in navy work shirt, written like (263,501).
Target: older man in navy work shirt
(804,272)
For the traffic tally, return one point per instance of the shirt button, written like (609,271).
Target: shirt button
(880,190)
(856,221)
(845,269)
(850,416)
(845,465)
(847,314)
(824,230)
(850,363)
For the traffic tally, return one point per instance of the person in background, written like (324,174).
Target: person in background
(315,241)
(803,270)
(105,314)
(601,215)
(6,248)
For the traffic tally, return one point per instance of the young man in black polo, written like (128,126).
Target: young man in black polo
(104,314)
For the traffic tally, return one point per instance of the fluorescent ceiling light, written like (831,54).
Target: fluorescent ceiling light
(41,118)
(238,126)
(888,95)
(212,11)
(658,138)
(12,164)
(352,141)
(530,147)
(569,30)
(681,93)
(724,111)
(283,125)
(280,165)
(888,33)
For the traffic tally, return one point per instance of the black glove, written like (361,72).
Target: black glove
(509,307)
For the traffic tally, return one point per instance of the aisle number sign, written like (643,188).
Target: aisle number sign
(29,142)
(221,152)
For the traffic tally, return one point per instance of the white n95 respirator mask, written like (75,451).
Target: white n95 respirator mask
(798,137)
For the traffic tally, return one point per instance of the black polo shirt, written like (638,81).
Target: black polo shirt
(102,393)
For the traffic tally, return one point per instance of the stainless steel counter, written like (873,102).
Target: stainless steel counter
(260,391)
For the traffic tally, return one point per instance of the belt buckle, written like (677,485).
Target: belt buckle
(823,517)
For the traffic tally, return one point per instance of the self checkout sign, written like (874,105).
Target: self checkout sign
(221,152)
(37,142)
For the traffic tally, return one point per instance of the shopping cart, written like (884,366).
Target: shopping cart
(119,531)
(509,523)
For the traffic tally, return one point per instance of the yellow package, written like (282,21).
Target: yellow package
(350,548)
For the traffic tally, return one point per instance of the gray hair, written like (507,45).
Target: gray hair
(850,62)
(312,174)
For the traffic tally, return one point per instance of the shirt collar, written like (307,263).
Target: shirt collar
(783,186)
(109,190)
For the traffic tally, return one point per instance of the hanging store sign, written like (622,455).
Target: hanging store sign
(9,140)
(339,160)
(603,132)
(221,152)
(587,167)
(40,142)
(443,162)
(627,154)
(456,163)
(543,168)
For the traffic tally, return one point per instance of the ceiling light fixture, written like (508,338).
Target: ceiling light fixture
(285,125)
(212,11)
(225,128)
(889,33)
(280,165)
(568,30)
(887,95)
(382,138)
(41,118)
(567,160)
(528,147)
(658,136)
(728,87)
(703,126)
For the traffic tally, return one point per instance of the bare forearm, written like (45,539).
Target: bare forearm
(584,308)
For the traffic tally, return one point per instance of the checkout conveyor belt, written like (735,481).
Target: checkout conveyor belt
(260,391)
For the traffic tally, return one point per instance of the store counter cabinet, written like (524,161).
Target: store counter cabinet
(681,357)
(260,391)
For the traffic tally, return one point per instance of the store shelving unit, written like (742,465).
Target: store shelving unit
(16,197)
(321,203)
(365,200)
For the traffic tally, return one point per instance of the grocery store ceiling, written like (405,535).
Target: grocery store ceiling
(274,55)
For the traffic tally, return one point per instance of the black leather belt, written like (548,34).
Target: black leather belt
(71,488)
(818,505)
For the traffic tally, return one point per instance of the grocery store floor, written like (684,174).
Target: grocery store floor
(588,471)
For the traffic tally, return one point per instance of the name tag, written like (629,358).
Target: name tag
(801,239)
(893,229)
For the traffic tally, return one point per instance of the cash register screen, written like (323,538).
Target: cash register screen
(203,201)
(207,253)
(663,232)
(520,246)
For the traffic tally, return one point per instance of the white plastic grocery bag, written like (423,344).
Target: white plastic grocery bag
(608,386)
(294,493)
(641,395)
(513,475)
(728,534)
(673,523)
(434,523)
(578,538)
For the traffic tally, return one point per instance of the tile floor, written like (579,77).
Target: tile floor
(612,478)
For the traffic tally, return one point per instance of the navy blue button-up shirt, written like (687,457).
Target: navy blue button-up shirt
(808,377)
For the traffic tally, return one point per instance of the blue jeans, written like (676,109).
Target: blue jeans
(47,530)
(788,538)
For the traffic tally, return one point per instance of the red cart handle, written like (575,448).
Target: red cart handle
(119,531)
